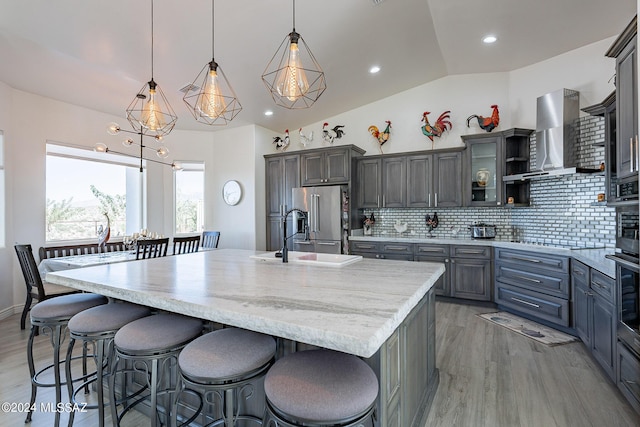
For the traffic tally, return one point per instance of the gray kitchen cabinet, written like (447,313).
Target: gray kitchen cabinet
(419,181)
(483,163)
(471,272)
(369,182)
(383,250)
(628,376)
(447,182)
(282,174)
(624,50)
(394,182)
(439,254)
(328,166)
(594,315)
(413,180)
(533,284)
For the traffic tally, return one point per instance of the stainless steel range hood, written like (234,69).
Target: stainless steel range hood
(556,136)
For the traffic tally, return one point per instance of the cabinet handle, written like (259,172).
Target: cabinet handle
(384,200)
(637,154)
(436,205)
(525,302)
(471,251)
(529,279)
(631,163)
(578,272)
(629,382)
(446,260)
(599,285)
(302,242)
(429,199)
(526,259)
(365,246)
(396,248)
(326,243)
(378,200)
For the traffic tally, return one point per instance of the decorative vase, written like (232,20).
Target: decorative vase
(482,177)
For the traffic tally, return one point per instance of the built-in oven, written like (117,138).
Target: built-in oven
(627,280)
(626,190)
(627,229)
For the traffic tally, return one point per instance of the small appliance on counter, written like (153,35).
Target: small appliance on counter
(480,230)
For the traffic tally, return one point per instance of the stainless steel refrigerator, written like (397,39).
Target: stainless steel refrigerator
(325,207)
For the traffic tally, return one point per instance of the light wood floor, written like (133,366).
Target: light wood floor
(489,376)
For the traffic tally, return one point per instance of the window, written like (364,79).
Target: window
(84,188)
(3,194)
(189,198)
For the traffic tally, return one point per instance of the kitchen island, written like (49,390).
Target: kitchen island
(383,312)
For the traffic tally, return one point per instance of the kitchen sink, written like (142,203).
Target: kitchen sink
(311,258)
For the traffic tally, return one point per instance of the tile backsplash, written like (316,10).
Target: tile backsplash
(563,210)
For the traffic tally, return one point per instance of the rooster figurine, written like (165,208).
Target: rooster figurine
(487,123)
(282,143)
(383,136)
(104,234)
(442,124)
(329,135)
(304,139)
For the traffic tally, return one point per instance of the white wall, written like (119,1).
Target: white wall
(6,251)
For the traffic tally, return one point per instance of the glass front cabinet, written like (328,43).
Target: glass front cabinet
(483,171)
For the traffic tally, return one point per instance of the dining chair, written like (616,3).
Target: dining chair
(210,239)
(185,245)
(36,288)
(152,248)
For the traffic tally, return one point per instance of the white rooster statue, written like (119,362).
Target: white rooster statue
(304,139)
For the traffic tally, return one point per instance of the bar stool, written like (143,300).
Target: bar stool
(223,361)
(320,388)
(150,346)
(51,317)
(98,326)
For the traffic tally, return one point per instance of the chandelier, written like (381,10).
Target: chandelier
(162,152)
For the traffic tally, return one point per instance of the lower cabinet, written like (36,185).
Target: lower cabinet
(440,254)
(533,284)
(594,315)
(383,250)
(628,375)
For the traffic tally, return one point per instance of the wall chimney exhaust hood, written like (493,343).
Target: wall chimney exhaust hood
(556,137)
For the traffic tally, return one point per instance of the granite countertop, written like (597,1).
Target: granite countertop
(593,257)
(353,309)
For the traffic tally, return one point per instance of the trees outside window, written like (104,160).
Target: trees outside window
(189,198)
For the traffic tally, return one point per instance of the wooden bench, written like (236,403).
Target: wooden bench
(84,249)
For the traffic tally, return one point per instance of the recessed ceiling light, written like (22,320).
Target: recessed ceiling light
(374,69)
(489,39)
(268,113)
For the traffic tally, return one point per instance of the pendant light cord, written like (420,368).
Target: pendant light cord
(151,39)
(294,15)
(212,31)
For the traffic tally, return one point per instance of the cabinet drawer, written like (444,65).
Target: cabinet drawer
(534,260)
(471,251)
(629,376)
(432,250)
(397,248)
(603,285)
(557,285)
(547,307)
(357,246)
(580,271)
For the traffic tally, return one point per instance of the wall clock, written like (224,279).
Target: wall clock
(232,192)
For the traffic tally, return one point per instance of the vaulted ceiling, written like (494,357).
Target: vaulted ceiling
(97,54)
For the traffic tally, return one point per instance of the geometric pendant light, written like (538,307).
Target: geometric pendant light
(214,101)
(150,113)
(293,76)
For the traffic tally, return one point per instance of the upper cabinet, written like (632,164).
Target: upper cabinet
(624,50)
(482,186)
(414,180)
(328,166)
(489,157)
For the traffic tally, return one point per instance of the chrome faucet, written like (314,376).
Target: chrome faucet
(305,226)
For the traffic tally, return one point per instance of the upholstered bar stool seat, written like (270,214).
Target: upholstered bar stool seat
(152,345)
(225,360)
(51,317)
(98,326)
(320,388)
